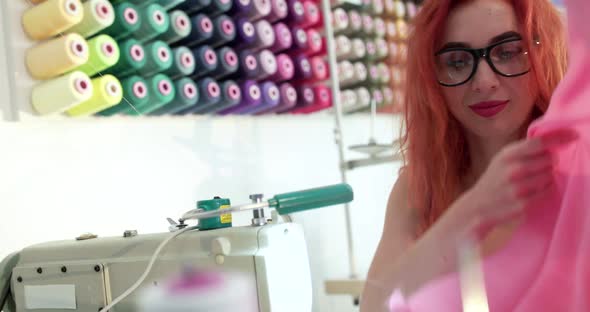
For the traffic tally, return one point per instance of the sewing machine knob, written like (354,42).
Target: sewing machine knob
(220,246)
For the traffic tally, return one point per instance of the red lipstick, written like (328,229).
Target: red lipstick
(489,109)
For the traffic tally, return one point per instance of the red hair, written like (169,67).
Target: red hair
(433,144)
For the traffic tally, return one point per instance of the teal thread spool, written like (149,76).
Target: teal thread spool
(154,22)
(135,92)
(127,21)
(158,58)
(132,59)
(180,27)
(223,221)
(187,95)
(169,4)
(162,92)
(183,65)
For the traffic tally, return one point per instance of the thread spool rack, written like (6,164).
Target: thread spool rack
(19,85)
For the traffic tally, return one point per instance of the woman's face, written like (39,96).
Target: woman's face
(488,105)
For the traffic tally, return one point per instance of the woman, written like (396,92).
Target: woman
(481,72)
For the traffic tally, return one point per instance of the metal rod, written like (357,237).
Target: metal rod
(335,85)
(377,160)
(373,117)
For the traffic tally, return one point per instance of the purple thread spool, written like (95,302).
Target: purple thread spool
(241,7)
(279,10)
(300,40)
(201,31)
(288,98)
(302,68)
(283,38)
(205,61)
(251,97)
(271,96)
(268,64)
(224,31)
(246,34)
(248,66)
(305,96)
(265,35)
(260,9)
(296,12)
(285,69)
(228,63)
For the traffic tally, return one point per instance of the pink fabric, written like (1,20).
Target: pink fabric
(546,266)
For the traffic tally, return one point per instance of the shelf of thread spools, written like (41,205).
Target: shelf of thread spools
(371,50)
(173,57)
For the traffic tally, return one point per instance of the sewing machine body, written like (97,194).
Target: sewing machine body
(85,275)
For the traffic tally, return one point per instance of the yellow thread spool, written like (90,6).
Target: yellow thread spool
(57,56)
(104,53)
(62,93)
(98,15)
(51,18)
(107,92)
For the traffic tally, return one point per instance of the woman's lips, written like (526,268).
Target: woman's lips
(489,109)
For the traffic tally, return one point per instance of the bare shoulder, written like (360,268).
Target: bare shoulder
(400,218)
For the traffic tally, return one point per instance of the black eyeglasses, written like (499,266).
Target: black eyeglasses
(456,66)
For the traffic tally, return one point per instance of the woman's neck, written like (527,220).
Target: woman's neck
(481,152)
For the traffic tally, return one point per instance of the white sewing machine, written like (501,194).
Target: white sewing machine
(88,273)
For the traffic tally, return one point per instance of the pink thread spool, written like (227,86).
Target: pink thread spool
(283,38)
(316,43)
(285,69)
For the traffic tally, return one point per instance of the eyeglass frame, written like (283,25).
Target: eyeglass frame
(484,53)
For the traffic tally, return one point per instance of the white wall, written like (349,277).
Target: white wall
(60,179)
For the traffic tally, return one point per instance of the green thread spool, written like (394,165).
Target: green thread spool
(187,95)
(183,65)
(132,58)
(158,58)
(104,53)
(169,4)
(135,92)
(180,27)
(127,21)
(98,15)
(154,22)
(162,92)
(107,92)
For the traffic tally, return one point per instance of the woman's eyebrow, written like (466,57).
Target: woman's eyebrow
(507,35)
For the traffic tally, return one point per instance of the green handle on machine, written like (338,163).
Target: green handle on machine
(310,199)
